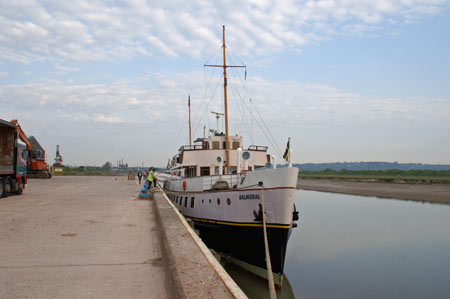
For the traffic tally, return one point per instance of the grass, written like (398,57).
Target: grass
(382,176)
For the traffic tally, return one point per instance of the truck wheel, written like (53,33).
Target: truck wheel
(6,187)
(14,186)
(20,188)
(2,187)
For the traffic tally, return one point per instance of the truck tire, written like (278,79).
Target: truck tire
(20,188)
(2,187)
(14,186)
(6,187)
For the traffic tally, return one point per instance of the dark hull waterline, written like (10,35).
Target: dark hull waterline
(245,243)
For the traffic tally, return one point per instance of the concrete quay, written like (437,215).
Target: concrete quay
(91,237)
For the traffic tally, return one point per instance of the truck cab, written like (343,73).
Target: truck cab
(13,160)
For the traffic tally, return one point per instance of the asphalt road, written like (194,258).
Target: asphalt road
(79,237)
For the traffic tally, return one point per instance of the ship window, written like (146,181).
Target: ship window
(235,144)
(192,201)
(203,201)
(204,171)
(215,145)
(185,201)
(218,201)
(228,201)
(224,145)
(210,200)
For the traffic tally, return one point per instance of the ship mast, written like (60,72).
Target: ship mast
(225,83)
(227,147)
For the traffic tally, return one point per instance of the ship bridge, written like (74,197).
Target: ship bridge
(207,156)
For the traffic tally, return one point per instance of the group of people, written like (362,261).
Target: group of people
(149,177)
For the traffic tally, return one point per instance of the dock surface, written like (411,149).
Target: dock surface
(79,237)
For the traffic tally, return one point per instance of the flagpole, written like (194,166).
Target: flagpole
(290,152)
(189,104)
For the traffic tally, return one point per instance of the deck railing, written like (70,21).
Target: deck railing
(259,148)
(231,179)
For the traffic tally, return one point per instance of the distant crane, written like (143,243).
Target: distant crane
(58,158)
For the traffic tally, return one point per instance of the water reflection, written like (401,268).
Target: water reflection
(255,287)
(359,247)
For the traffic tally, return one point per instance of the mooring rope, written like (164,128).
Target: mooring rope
(266,246)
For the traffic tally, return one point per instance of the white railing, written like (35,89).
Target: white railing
(166,176)
(232,180)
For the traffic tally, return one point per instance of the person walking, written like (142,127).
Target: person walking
(139,175)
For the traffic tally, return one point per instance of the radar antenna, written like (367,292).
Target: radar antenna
(218,114)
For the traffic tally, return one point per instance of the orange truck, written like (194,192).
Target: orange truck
(13,160)
(37,166)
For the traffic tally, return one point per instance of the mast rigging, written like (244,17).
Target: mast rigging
(225,83)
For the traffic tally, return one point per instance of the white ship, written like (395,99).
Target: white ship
(220,186)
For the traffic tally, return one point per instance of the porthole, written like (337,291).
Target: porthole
(228,201)
(218,201)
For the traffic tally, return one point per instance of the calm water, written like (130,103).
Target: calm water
(361,247)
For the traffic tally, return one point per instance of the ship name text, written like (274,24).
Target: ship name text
(248,196)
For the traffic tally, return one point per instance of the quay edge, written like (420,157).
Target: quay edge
(191,269)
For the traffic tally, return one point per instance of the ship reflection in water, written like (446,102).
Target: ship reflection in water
(362,247)
(255,287)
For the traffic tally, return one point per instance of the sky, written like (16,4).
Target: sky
(346,80)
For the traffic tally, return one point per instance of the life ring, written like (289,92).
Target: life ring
(184,185)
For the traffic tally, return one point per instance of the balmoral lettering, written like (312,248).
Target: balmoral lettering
(248,196)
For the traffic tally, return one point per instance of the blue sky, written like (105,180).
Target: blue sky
(347,80)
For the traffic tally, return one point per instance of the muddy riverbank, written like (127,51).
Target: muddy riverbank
(423,193)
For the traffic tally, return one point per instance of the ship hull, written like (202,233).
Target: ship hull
(230,221)
(244,245)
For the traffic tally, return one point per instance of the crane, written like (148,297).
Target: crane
(37,167)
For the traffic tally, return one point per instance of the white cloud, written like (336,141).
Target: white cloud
(64,69)
(103,30)
(4,75)
(127,121)
(308,103)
